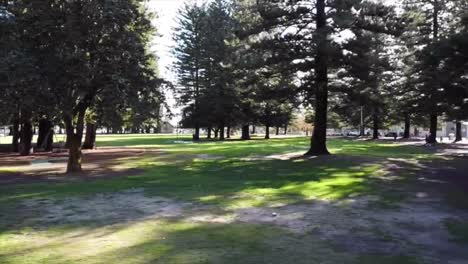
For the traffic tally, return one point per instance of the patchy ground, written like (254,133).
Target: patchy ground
(40,167)
(210,208)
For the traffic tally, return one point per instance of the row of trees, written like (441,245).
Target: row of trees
(254,62)
(75,64)
(220,82)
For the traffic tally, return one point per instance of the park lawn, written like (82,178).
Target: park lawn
(217,172)
(212,173)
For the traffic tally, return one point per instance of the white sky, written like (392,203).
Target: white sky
(165,22)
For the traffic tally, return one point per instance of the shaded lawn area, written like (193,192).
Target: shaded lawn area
(228,179)
(222,179)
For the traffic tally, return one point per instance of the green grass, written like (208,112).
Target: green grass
(230,181)
(236,148)
(225,180)
(458,230)
(165,242)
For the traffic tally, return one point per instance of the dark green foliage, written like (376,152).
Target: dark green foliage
(67,57)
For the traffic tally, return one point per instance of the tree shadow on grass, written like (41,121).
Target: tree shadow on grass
(228,184)
(176,242)
(442,177)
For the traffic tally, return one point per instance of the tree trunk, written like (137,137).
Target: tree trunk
(208,134)
(406,134)
(362,129)
(228,132)
(416,132)
(74,155)
(90,137)
(16,135)
(253,129)
(221,132)
(267,132)
(285,129)
(75,137)
(49,141)
(216,133)
(458,131)
(43,129)
(277,131)
(318,144)
(375,127)
(26,135)
(245,132)
(45,138)
(432,138)
(196,135)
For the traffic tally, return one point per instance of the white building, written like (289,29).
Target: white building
(448,129)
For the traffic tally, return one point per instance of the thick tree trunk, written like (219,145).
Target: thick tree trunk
(15,131)
(375,126)
(90,137)
(228,132)
(26,136)
(49,141)
(406,134)
(267,132)
(253,130)
(45,138)
(432,138)
(277,131)
(285,129)
(67,141)
(208,134)
(43,129)
(196,135)
(75,136)
(245,132)
(319,137)
(216,131)
(221,132)
(458,131)
(74,155)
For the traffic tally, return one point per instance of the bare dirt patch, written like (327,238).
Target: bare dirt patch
(101,208)
(39,167)
(415,227)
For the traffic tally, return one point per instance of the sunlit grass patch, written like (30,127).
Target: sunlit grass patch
(163,242)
